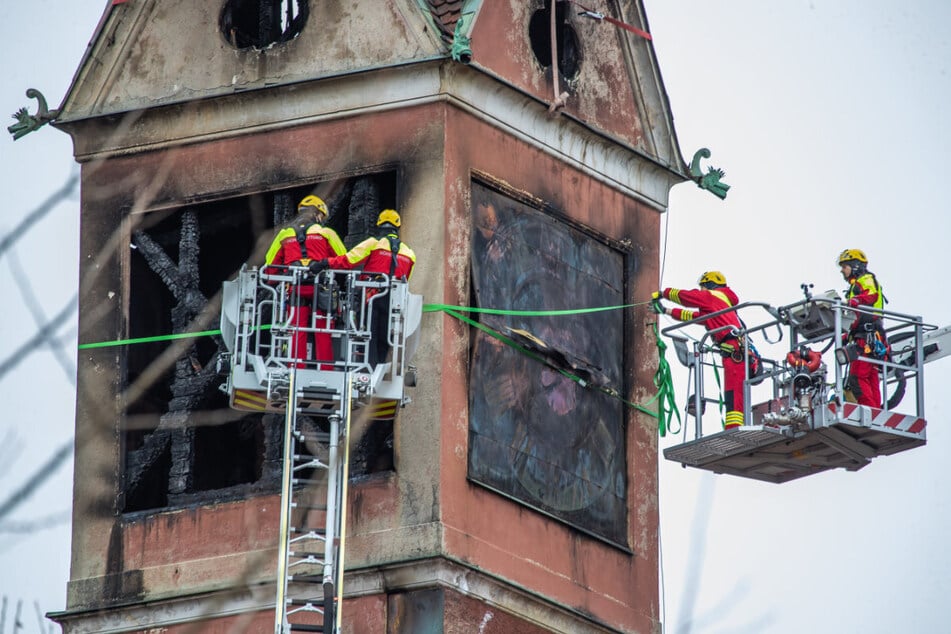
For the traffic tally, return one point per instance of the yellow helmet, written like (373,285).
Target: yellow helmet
(388,216)
(315,202)
(852,254)
(712,277)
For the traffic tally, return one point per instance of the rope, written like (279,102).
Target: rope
(431,308)
(716,375)
(427,308)
(172,337)
(666,402)
(577,379)
(123,342)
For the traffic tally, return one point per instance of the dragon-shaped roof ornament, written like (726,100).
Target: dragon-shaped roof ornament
(711,180)
(26,122)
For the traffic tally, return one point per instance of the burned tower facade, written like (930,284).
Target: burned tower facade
(529,149)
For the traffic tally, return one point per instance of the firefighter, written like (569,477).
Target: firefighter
(712,296)
(866,332)
(303,240)
(383,253)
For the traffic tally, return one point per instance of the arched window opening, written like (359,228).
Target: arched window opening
(568,45)
(261,23)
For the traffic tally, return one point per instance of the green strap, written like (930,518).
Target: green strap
(665,397)
(172,337)
(716,375)
(123,342)
(431,308)
(666,400)
(577,379)
(666,404)
(427,308)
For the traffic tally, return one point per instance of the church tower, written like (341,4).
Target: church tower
(529,149)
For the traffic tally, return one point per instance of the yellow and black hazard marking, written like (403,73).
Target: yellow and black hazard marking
(382,410)
(251,400)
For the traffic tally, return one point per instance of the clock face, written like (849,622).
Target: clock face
(537,435)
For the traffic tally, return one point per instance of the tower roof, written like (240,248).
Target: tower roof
(150,54)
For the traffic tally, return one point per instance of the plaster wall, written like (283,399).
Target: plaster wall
(152,53)
(492,532)
(436,608)
(427,509)
(605,94)
(110,560)
(168,51)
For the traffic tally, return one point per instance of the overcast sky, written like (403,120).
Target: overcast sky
(829,119)
(41,43)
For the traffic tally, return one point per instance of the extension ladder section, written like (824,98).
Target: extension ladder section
(800,421)
(318,398)
(313,512)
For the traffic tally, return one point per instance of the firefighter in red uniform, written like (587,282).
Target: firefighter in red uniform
(386,254)
(866,331)
(712,296)
(305,240)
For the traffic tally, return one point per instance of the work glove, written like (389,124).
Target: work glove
(656,306)
(318,266)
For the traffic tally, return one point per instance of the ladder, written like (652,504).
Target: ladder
(314,484)
(317,399)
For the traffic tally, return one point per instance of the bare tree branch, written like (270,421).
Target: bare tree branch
(39,477)
(44,208)
(40,619)
(32,526)
(26,292)
(10,446)
(46,332)
(701,518)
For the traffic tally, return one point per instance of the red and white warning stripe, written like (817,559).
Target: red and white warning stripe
(853,413)
(597,15)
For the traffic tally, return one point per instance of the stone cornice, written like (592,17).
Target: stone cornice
(468,89)
(423,573)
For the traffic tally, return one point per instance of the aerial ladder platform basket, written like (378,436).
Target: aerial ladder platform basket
(800,417)
(318,399)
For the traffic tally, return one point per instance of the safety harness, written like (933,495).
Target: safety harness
(394,251)
(732,346)
(868,332)
(300,232)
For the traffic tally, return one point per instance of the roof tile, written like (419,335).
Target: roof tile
(446,13)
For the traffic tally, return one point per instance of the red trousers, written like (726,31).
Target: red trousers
(866,374)
(302,348)
(734,374)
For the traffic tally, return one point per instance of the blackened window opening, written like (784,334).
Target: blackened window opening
(182,443)
(569,47)
(260,23)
